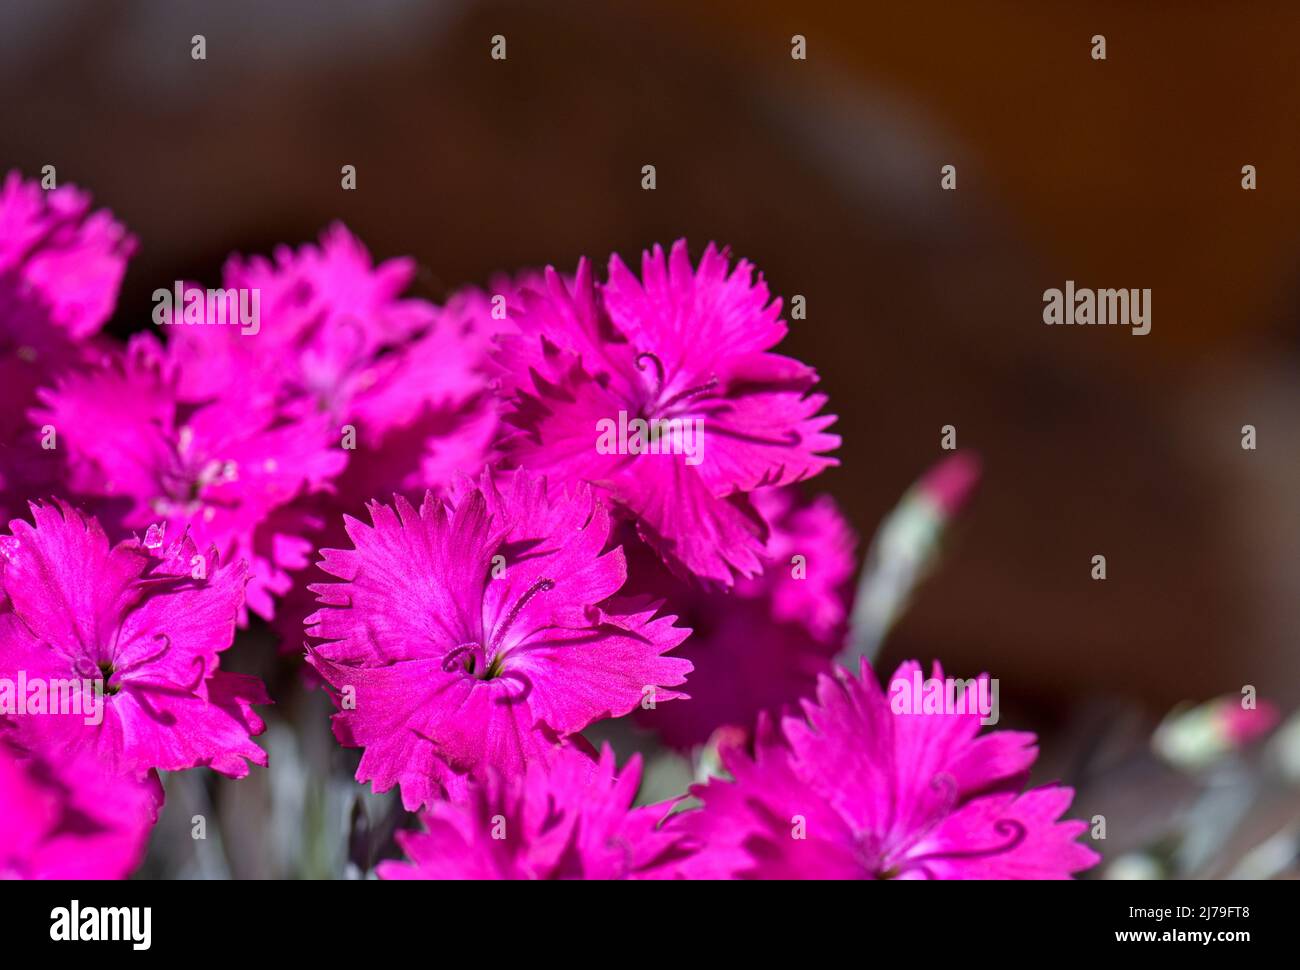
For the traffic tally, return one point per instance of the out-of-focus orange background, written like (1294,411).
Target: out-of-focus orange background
(924,306)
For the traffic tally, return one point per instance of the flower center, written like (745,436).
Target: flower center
(106,672)
(657,406)
(185,477)
(488,664)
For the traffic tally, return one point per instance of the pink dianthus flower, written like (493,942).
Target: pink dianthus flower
(682,344)
(138,625)
(482,631)
(856,790)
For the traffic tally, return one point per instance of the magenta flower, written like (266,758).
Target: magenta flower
(859,791)
(480,632)
(327,339)
(574,820)
(762,645)
(337,282)
(396,388)
(686,352)
(429,454)
(129,636)
(434,416)
(433,421)
(26,469)
(58,257)
(67,818)
(227,471)
(60,268)
(448,365)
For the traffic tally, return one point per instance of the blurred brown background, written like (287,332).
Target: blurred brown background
(924,306)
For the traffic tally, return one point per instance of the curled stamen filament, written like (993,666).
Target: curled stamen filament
(150,658)
(454,654)
(1013,830)
(541,586)
(689,393)
(659,368)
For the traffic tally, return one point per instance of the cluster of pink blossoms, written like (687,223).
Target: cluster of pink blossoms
(495,569)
